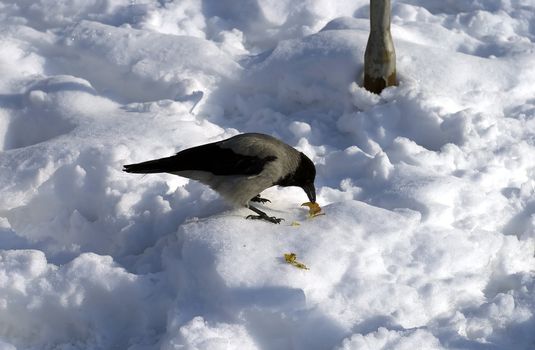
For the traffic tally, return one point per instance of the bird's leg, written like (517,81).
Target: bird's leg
(259,199)
(262,216)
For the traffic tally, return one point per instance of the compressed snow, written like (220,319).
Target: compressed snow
(427,241)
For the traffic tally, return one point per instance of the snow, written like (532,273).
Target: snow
(428,237)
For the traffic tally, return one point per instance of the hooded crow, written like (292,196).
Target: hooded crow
(239,168)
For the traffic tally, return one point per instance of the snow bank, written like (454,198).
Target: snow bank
(81,302)
(427,241)
(142,66)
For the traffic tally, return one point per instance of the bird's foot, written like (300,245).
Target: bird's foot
(271,219)
(262,216)
(259,199)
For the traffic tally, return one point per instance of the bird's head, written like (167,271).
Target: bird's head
(304,177)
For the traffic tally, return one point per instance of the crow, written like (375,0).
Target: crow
(239,168)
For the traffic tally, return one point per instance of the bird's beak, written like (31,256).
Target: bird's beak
(310,190)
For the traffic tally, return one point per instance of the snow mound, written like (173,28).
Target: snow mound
(427,240)
(142,66)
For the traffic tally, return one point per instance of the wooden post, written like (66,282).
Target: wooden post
(380,56)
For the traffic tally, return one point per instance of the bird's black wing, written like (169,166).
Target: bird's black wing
(210,157)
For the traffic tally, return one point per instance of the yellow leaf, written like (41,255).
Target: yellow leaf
(291,258)
(314,209)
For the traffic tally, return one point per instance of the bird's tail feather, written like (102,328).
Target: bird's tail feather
(162,165)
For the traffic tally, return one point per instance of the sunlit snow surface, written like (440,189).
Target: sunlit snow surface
(428,189)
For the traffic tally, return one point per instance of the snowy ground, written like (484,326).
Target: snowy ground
(428,189)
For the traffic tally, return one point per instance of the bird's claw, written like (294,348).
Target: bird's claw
(259,199)
(271,219)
